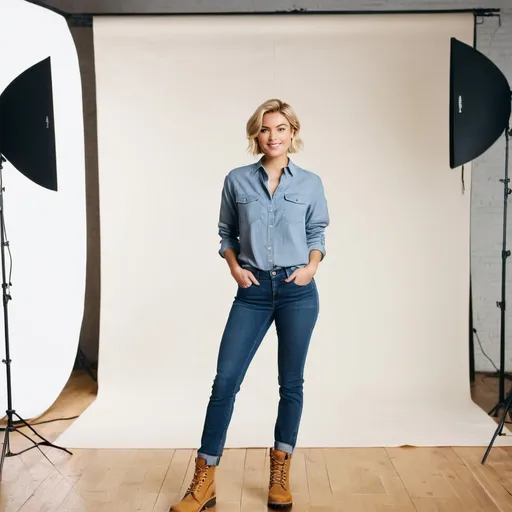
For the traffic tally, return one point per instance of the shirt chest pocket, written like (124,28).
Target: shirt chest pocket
(249,209)
(294,208)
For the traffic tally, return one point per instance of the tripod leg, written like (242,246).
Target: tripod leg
(5,448)
(6,451)
(35,445)
(44,442)
(499,429)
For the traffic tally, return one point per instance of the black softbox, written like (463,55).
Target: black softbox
(479,103)
(27,137)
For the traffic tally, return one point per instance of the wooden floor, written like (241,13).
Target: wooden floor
(351,480)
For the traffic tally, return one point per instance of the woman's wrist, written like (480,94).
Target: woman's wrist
(231,259)
(312,266)
(315,256)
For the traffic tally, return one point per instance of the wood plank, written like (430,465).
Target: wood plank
(49,495)
(299,481)
(438,480)
(172,488)
(319,485)
(229,479)
(495,476)
(255,481)
(365,479)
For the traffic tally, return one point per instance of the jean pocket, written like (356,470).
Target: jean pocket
(303,285)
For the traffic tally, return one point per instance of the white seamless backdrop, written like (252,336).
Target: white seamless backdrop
(388,363)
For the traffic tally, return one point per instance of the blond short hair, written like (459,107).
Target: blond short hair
(255,123)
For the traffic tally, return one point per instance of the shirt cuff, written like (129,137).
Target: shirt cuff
(229,244)
(318,247)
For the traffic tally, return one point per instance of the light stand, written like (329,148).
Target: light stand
(27,140)
(6,297)
(480,108)
(505,253)
(505,402)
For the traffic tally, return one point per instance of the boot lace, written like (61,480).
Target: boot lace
(277,473)
(200,475)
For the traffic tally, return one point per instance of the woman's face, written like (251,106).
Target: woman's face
(275,136)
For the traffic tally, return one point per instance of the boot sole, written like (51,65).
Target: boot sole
(279,506)
(210,503)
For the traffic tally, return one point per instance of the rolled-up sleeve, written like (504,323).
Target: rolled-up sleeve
(317,219)
(228,220)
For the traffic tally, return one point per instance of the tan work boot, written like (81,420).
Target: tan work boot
(279,494)
(201,493)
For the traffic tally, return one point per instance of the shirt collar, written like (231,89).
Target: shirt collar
(290,169)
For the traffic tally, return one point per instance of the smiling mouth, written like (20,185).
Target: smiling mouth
(275,145)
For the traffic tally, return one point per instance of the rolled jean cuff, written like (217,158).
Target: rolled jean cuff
(211,460)
(287,448)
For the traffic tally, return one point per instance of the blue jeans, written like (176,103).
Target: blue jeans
(294,309)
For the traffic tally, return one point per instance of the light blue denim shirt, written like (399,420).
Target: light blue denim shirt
(278,231)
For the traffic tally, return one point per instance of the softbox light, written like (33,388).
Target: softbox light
(27,137)
(480,103)
(27,140)
(480,107)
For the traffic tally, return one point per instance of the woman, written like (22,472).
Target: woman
(272,221)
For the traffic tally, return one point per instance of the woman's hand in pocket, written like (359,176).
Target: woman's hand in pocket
(244,278)
(302,276)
